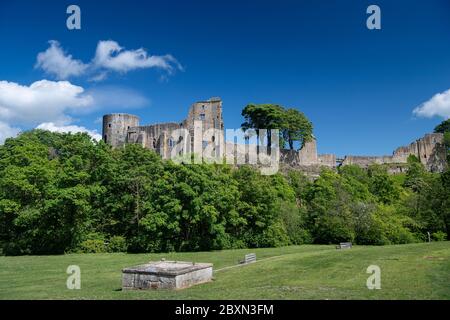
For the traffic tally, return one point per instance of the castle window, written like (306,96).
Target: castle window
(109,125)
(202,116)
(213,139)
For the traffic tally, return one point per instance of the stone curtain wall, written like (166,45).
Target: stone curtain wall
(122,128)
(428,149)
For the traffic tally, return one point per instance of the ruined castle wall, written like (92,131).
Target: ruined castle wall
(156,137)
(432,152)
(365,161)
(429,150)
(307,155)
(290,157)
(122,128)
(328,160)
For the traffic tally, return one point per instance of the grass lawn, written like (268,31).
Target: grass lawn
(416,271)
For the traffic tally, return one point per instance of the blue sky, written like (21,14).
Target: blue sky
(359,87)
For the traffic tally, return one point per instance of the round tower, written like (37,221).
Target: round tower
(116,126)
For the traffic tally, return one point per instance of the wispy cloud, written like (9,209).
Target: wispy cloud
(54,61)
(438,105)
(109,57)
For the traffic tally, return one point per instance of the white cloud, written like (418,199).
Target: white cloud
(42,101)
(50,126)
(109,57)
(55,62)
(51,104)
(438,105)
(7,131)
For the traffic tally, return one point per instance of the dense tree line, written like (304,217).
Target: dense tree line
(64,193)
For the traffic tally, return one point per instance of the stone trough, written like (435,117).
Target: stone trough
(166,275)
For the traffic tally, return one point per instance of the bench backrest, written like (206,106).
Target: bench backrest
(345,245)
(251,257)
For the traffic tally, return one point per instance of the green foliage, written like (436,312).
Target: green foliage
(443,127)
(92,246)
(297,127)
(447,145)
(65,193)
(294,126)
(293,219)
(381,184)
(117,244)
(439,236)
(416,174)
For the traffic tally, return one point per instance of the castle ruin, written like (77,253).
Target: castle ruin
(206,116)
(120,128)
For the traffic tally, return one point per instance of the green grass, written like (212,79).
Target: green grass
(415,271)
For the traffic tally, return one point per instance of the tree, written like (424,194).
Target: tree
(297,128)
(294,126)
(381,184)
(444,200)
(443,127)
(416,174)
(264,116)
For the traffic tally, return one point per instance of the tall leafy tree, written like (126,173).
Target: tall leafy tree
(264,116)
(296,128)
(293,124)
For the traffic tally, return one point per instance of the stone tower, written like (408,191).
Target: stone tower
(116,126)
(209,112)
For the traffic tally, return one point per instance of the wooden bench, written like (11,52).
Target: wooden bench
(249,258)
(344,245)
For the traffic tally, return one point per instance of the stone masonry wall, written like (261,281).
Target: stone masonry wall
(119,129)
(428,149)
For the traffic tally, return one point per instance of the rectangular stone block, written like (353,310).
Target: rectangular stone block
(166,275)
